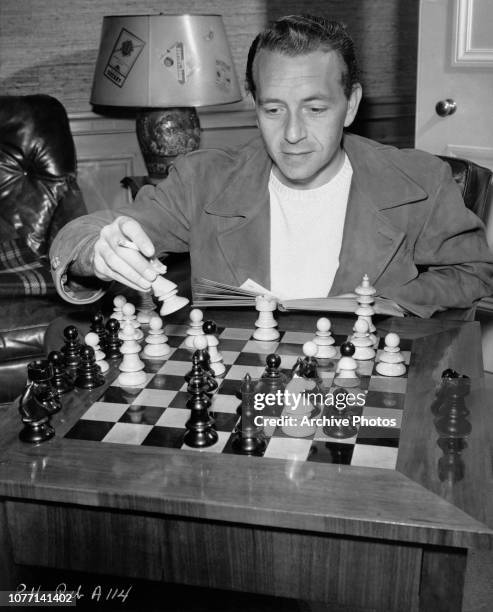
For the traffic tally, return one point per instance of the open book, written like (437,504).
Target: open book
(208,293)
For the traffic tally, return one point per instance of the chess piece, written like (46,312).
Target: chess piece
(341,426)
(88,372)
(362,341)
(97,326)
(215,358)
(391,360)
(61,381)
(40,373)
(200,432)
(199,367)
(131,368)
(118,302)
(324,340)
(195,327)
(92,339)
(248,438)
(71,348)
(298,411)
(146,308)
(272,371)
(366,298)
(346,375)
(156,340)
(167,293)
(310,364)
(113,342)
(128,313)
(265,323)
(36,420)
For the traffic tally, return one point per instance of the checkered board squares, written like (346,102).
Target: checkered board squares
(155,413)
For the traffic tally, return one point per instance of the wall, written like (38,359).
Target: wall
(50,46)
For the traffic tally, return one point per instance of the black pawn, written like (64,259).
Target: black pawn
(198,370)
(88,373)
(97,326)
(272,363)
(200,432)
(340,413)
(36,420)
(347,349)
(40,373)
(113,342)
(61,381)
(248,438)
(71,348)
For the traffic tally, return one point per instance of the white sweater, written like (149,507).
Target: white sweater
(306,235)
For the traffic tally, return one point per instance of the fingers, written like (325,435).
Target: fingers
(126,264)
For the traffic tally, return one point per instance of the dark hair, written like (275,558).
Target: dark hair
(301,34)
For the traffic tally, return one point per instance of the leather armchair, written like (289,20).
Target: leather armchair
(38,195)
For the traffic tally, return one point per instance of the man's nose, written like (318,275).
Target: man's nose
(294,130)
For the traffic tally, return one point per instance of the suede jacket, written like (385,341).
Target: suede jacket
(406,226)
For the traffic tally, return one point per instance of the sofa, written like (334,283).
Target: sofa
(38,195)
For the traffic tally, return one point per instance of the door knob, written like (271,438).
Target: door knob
(447,107)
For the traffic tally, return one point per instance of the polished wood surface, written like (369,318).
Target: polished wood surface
(363,523)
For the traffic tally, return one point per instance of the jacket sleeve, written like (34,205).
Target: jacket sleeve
(451,254)
(164,211)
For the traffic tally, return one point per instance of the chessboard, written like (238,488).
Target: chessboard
(154,413)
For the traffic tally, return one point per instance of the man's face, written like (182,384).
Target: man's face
(301,111)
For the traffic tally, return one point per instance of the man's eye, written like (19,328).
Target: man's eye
(317,110)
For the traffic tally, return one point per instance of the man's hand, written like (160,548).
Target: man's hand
(114,261)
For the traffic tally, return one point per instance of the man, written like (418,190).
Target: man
(304,210)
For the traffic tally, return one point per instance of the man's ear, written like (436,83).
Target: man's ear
(353,104)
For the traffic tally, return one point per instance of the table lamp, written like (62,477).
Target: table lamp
(164,65)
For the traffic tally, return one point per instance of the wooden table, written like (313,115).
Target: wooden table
(377,539)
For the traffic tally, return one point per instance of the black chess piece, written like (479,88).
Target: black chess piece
(36,420)
(61,381)
(71,348)
(89,373)
(341,423)
(211,384)
(272,370)
(40,373)
(347,349)
(200,432)
(209,327)
(248,438)
(113,342)
(97,326)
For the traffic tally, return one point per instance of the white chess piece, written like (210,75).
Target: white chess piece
(391,360)
(215,358)
(265,323)
(195,327)
(366,298)
(128,313)
(146,308)
(362,341)
(324,340)
(167,293)
(92,339)
(156,340)
(346,375)
(131,366)
(118,302)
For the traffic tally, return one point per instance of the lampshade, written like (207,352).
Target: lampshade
(164,65)
(158,61)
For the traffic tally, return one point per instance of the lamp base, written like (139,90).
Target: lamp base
(165,133)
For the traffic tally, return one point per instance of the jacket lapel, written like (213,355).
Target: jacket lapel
(369,239)
(243,212)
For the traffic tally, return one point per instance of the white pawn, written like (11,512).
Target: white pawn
(362,341)
(156,340)
(128,312)
(131,366)
(324,340)
(391,361)
(118,302)
(195,327)
(346,375)
(366,298)
(92,339)
(265,323)
(215,357)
